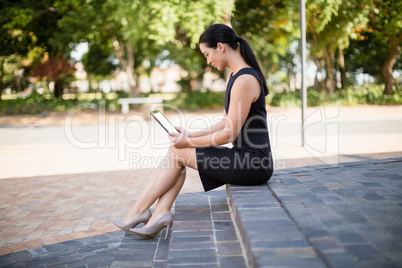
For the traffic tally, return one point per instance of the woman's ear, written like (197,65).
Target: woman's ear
(221,46)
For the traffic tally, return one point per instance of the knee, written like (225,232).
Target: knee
(176,155)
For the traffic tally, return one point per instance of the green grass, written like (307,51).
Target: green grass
(365,94)
(39,103)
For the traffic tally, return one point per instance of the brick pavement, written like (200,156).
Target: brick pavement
(37,211)
(95,251)
(202,235)
(312,216)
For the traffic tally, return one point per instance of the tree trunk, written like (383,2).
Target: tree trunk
(341,61)
(389,63)
(329,55)
(318,84)
(132,76)
(127,63)
(58,89)
(1,77)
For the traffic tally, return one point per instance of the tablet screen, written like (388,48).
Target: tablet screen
(164,122)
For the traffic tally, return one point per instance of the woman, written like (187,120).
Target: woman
(248,162)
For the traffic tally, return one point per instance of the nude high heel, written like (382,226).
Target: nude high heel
(143,217)
(165,221)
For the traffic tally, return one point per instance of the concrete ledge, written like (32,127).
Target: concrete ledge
(323,216)
(269,235)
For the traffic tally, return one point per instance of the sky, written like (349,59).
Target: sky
(79,50)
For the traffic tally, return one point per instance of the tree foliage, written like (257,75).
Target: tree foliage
(270,26)
(344,37)
(386,24)
(138,31)
(29,29)
(53,68)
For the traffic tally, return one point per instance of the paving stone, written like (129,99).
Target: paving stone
(340,260)
(226,235)
(193,225)
(224,216)
(362,252)
(38,252)
(229,248)
(76,253)
(192,239)
(7,260)
(348,237)
(23,256)
(280,244)
(334,224)
(193,246)
(223,225)
(328,244)
(55,247)
(268,262)
(232,262)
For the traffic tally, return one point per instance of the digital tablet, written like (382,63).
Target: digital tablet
(164,122)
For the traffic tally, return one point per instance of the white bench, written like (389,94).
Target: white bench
(125,102)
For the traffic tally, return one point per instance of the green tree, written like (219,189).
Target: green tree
(98,62)
(271,26)
(14,38)
(138,31)
(193,18)
(36,23)
(330,25)
(386,24)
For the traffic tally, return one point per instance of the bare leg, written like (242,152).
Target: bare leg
(166,201)
(165,184)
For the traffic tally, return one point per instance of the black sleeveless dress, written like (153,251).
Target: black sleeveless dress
(249,160)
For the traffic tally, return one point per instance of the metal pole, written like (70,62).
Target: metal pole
(302,11)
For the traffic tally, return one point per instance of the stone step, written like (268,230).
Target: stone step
(347,215)
(269,235)
(203,233)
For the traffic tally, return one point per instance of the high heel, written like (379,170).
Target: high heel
(142,218)
(165,221)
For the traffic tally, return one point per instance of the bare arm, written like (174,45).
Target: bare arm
(218,126)
(244,92)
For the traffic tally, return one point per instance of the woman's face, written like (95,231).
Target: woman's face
(213,55)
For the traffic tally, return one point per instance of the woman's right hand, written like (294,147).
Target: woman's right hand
(183,131)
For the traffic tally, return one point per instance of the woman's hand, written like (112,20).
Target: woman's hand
(179,140)
(183,131)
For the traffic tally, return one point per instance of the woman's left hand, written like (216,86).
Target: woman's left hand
(179,140)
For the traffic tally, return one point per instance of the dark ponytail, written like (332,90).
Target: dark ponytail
(221,33)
